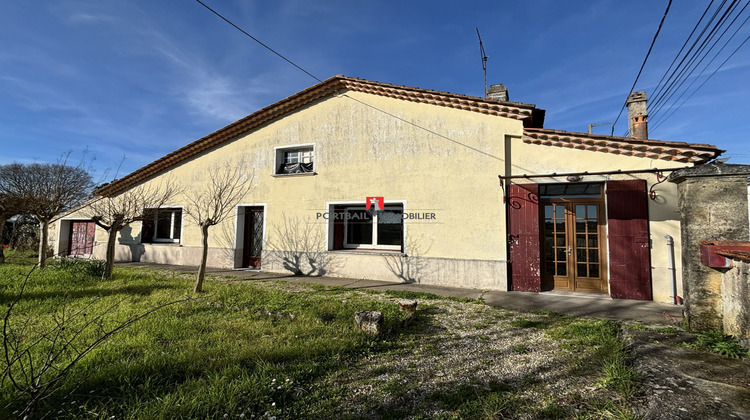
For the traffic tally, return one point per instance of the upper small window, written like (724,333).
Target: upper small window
(296,160)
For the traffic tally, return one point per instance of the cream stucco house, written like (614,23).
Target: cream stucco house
(379,181)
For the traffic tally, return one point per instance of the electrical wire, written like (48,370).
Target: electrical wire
(658,92)
(684,44)
(258,41)
(653,120)
(653,41)
(704,82)
(691,65)
(345,95)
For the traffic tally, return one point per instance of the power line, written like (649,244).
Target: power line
(658,85)
(704,82)
(258,41)
(653,41)
(345,95)
(658,92)
(691,65)
(713,58)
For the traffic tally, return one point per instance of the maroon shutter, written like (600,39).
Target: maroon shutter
(629,242)
(90,236)
(523,237)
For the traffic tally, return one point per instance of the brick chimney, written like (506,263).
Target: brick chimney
(637,115)
(498,93)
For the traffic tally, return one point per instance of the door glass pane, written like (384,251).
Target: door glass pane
(256,246)
(548,212)
(580,226)
(591,225)
(561,254)
(560,240)
(593,255)
(593,241)
(581,241)
(580,212)
(594,270)
(562,269)
(592,211)
(581,255)
(581,270)
(550,268)
(561,225)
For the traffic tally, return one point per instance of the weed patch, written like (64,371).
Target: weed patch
(723,344)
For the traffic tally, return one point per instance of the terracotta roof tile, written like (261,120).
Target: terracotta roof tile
(628,146)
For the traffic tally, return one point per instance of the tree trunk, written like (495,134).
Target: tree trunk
(2,229)
(109,260)
(202,269)
(43,239)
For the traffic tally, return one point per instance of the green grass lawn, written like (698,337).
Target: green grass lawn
(269,349)
(239,349)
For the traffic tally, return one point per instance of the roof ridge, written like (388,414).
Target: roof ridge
(625,139)
(628,146)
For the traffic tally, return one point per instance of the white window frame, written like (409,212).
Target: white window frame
(374,245)
(281,157)
(172,210)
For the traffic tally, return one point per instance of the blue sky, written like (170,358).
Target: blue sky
(141,78)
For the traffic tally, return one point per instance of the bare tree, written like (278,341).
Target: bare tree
(112,213)
(38,356)
(299,246)
(45,190)
(212,202)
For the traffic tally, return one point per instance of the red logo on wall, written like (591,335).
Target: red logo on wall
(375,201)
(374,205)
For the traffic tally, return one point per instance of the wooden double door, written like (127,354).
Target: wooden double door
(574,242)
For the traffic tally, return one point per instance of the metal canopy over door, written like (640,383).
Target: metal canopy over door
(253,237)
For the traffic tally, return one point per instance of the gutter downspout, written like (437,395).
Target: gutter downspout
(672,273)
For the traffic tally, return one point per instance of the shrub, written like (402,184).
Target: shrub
(91,268)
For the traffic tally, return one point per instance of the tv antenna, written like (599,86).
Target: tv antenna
(484,61)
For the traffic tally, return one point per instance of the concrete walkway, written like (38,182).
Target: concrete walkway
(576,304)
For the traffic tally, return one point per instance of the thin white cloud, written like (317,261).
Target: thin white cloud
(81,17)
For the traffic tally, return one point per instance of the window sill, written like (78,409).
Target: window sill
(368,251)
(293,175)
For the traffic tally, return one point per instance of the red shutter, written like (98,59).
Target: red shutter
(90,237)
(81,239)
(629,241)
(524,238)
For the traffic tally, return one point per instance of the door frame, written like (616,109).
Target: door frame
(239,233)
(548,281)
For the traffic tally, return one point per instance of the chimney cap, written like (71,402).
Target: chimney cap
(498,92)
(639,96)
